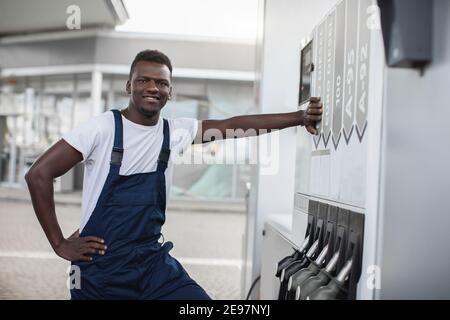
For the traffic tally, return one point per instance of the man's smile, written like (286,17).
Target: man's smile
(151,98)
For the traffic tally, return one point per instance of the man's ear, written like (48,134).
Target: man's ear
(128,87)
(170,93)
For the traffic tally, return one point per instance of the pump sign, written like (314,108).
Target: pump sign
(341,46)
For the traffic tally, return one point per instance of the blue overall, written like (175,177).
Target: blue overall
(128,215)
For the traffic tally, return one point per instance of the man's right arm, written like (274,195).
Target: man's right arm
(56,161)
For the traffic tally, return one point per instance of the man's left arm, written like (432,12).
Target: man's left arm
(251,125)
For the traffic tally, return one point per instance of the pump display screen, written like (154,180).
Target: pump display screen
(306,67)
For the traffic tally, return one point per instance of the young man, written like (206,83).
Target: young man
(126,154)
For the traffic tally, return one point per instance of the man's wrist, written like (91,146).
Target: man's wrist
(56,243)
(301,118)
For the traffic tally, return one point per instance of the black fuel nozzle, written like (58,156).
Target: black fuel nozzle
(297,255)
(302,275)
(335,290)
(294,267)
(321,279)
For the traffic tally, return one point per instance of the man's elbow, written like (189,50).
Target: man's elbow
(34,175)
(30,176)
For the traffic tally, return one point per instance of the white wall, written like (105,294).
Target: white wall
(414,252)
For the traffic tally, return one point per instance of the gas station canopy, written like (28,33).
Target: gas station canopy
(22,16)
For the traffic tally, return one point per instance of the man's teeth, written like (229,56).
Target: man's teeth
(150,99)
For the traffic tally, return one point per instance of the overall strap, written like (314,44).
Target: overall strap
(117,151)
(164,154)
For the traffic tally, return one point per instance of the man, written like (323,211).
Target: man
(126,154)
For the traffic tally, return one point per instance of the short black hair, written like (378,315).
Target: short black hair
(151,56)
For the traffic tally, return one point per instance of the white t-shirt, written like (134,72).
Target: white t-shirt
(94,139)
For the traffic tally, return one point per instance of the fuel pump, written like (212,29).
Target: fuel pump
(314,267)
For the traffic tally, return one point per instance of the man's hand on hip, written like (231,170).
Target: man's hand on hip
(76,248)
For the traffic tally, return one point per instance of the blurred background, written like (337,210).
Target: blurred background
(62,62)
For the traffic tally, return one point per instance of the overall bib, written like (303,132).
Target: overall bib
(128,216)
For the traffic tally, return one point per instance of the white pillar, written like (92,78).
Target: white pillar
(96,93)
(28,116)
(111,93)
(13,152)
(74,100)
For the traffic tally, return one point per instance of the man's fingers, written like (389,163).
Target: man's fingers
(314,118)
(314,99)
(311,130)
(315,105)
(93,239)
(314,111)
(85,258)
(95,245)
(93,248)
(89,251)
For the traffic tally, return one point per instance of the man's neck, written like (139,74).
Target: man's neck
(135,116)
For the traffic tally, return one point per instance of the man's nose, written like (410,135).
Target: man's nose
(151,86)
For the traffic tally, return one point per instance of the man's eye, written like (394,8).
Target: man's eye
(142,81)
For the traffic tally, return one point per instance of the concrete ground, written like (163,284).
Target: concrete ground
(207,243)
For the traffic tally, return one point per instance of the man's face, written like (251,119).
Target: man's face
(149,87)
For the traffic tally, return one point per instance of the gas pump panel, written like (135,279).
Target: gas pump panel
(364,165)
(339,65)
(336,66)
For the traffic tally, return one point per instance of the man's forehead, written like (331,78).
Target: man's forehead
(149,68)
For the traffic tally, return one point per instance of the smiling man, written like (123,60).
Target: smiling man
(127,168)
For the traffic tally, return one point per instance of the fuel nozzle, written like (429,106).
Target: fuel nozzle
(298,278)
(293,268)
(335,289)
(314,282)
(298,254)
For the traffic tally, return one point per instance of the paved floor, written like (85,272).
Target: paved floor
(208,244)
